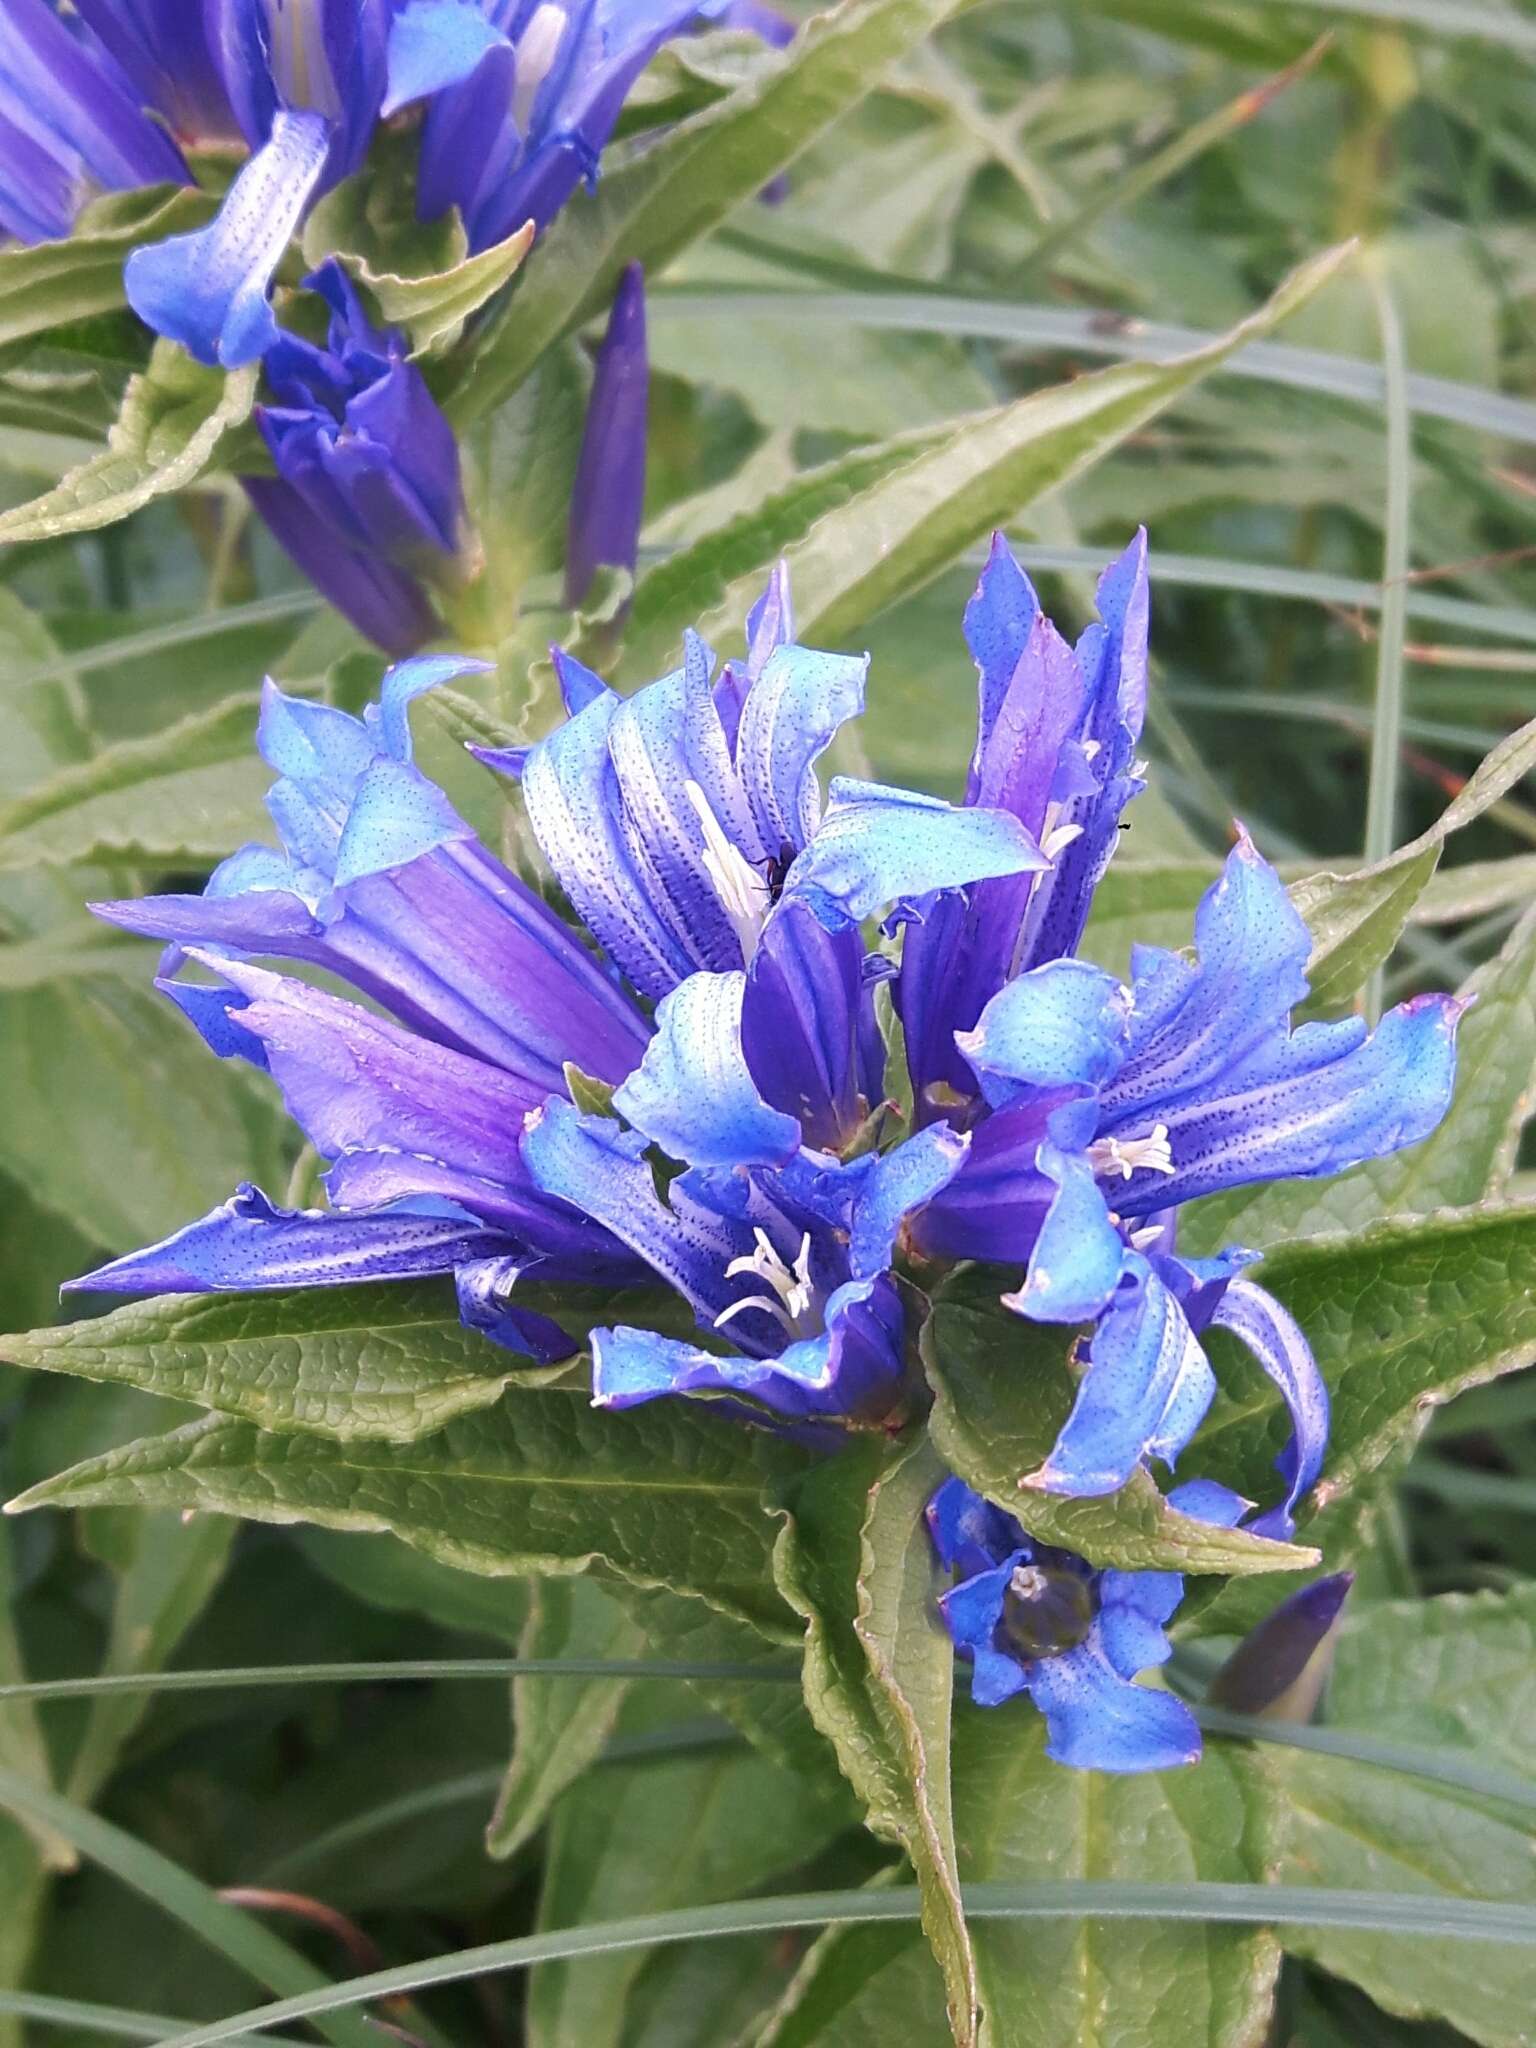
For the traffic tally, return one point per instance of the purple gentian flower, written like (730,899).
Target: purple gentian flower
(1041,1621)
(367,499)
(520,99)
(1097,1108)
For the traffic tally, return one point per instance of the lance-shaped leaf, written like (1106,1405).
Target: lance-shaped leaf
(675,191)
(544,1483)
(1400,1319)
(946,490)
(390,1361)
(50,284)
(1002,1392)
(1021,1818)
(433,308)
(1460,1670)
(173,418)
(183,795)
(856,1561)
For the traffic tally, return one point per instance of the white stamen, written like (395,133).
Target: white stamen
(795,1302)
(744,896)
(1144,1239)
(1028,1581)
(1058,839)
(1125,1156)
(537,48)
(1091,748)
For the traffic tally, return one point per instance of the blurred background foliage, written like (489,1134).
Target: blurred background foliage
(1044,187)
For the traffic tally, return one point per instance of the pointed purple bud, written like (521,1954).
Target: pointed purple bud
(610,473)
(1279,1669)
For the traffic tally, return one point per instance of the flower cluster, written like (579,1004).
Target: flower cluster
(726,1018)
(517,100)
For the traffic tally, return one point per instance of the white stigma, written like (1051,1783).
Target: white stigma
(1028,1581)
(537,48)
(1125,1156)
(794,1302)
(744,896)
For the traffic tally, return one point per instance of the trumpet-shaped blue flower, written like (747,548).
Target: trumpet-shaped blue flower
(1096,1109)
(519,97)
(367,499)
(783,1252)
(418,1111)
(1032,1619)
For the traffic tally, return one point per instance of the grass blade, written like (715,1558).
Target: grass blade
(392,1671)
(1417,1913)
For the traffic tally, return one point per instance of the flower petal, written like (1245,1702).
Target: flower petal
(790,716)
(1079,1256)
(433,44)
(805,1020)
(1099,1721)
(693,1094)
(1061,1025)
(208,290)
(879,845)
(484,1287)
(1276,1340)
(609,491)
(1145,1391)
(247,1244)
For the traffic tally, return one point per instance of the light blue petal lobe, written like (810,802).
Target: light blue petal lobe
(1079,1257)
(900,1182)
(575,808)
(396,816)
(1189,1027)
(791,714)
(1145,1391)
(693,1095)
(404,683)
(208,290)
(1099,1721)
(879,845)
(313,744)
(433,44)
(1067,1023)
(1276,1340)
(578,685)
(1209,1501)
(602,1170)
(248,1245)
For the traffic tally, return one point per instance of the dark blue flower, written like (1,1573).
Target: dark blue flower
(609,491)
(1096,1109)
(367,498)
(1032,1619)
(520,98)
(484,995)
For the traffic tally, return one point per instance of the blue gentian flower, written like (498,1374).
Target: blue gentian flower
(484,994)
(1041,1621)
(367,499)
(488,997)
(520,98)
(1096,1108)
(608,495)
(781,1250)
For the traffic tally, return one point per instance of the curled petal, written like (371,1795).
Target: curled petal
(208,290)
(1099,1721)
(1079,1257)
(1276,1340)
(1062,1025)
(790,716)
(484,1288)
(248,1245)
(693,1094)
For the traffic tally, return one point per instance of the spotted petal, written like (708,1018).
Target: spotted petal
(693,1094)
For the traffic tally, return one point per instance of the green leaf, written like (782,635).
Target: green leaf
(173,418)
(383,1360)
(1466,1160)
(945,489)
(1356,919)
(677,1831)
(161,1133)
(557,1731)
(860,1987)
(52,283)
(1002,1390)
(1021,1818)
(388,1574)
(544,1483)
(187,794)
(855,1560)
(680,187)
(1461,1670)
(1400,1319)
(432,309)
